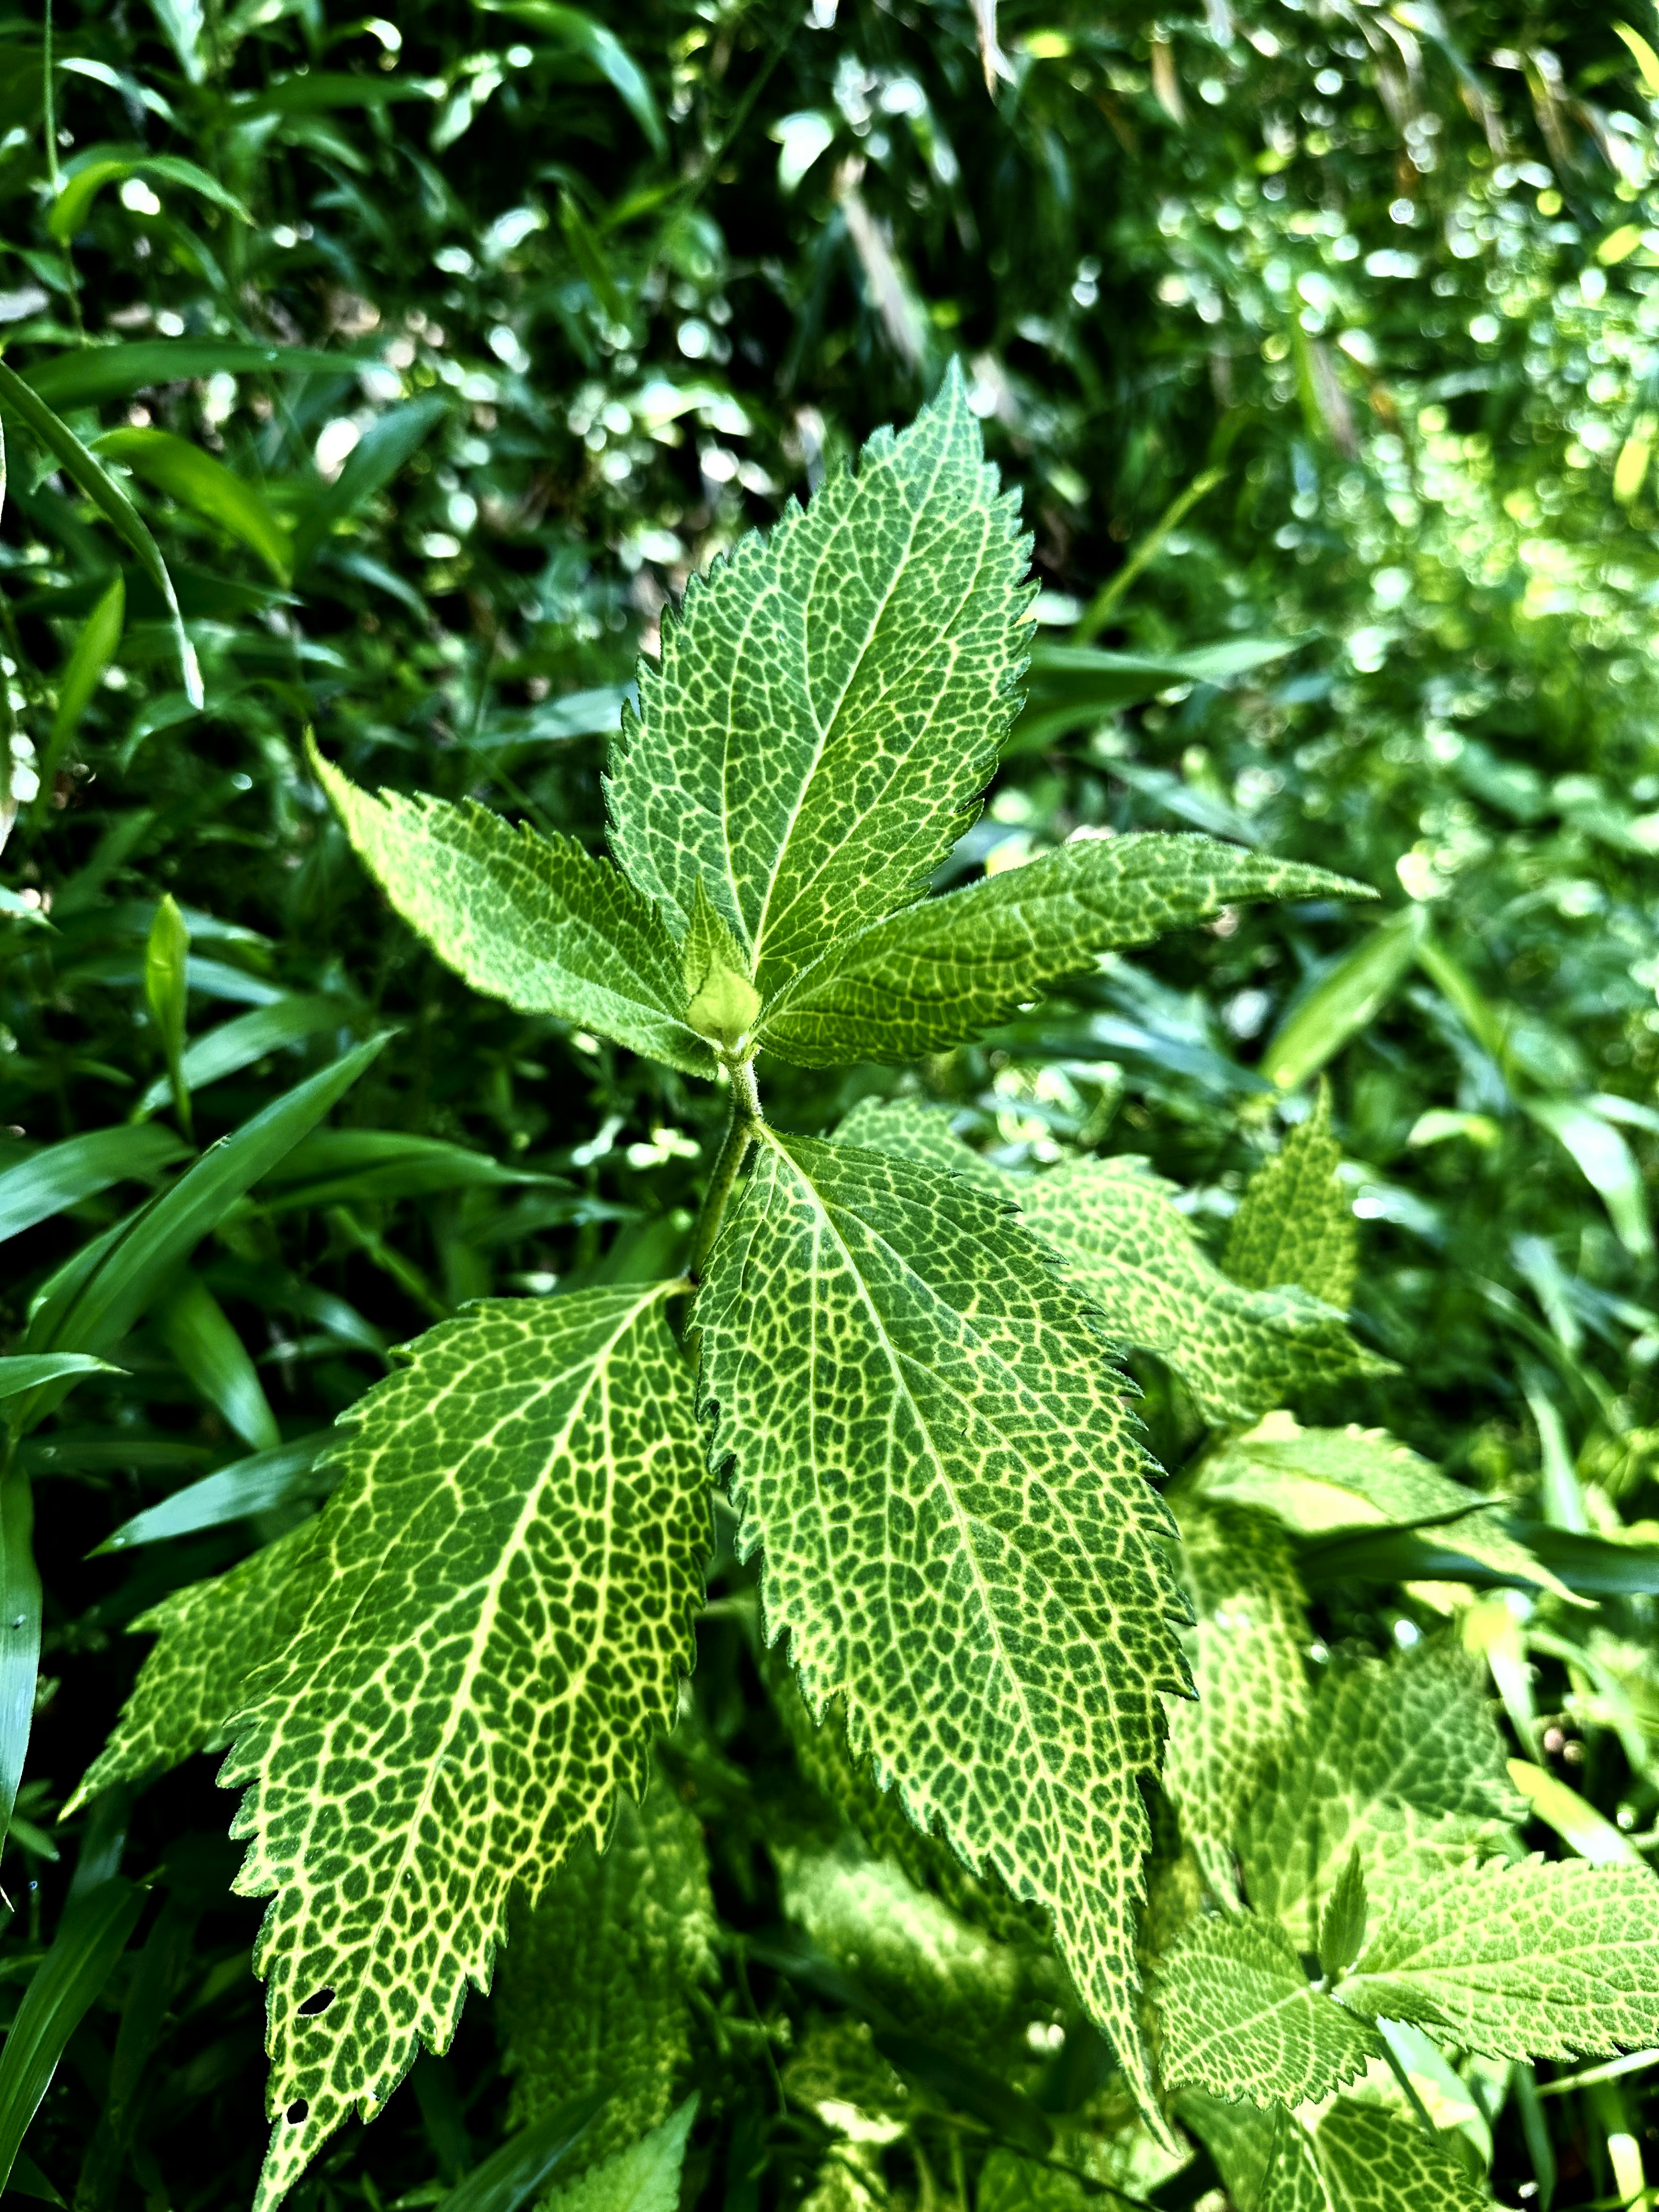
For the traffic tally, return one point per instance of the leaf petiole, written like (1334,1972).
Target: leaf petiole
(746,1118)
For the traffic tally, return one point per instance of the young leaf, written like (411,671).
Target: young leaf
(959,1537)
(1402,1760)
(1294,1223)
(720,1001)
(1238,2016)
(644,2177)
(167,958)
(1537,1960)
(1342,1931)
(939,972)
(501,1594)
(829,704)
(532,919)
(212,1636)
(94,649)
(207,487)
(1125,1245)
(1245,1650)
(596,1980)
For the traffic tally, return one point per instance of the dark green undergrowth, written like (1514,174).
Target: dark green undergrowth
(384,382)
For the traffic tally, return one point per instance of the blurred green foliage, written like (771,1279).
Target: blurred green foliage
(395,374)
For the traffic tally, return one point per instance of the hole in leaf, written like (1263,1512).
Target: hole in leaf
(296,2112)
(313,2005)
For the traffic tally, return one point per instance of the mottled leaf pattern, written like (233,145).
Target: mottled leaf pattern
(1535,1960)
(595,1983)
(1403,1760)
(1362,2157)
(1238,2016)
(501,1587)
(829,702)
(1245,1649)
(826,1758)
(938,1976)
(959,1537)
(644,2177)
(941,972)
(535,921)
(1375,2160)
(212,1636)
(1295,1223)
(1125,1245)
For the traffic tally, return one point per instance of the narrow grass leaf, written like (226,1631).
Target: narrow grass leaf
(90,1938)
(207,487)
(21,400)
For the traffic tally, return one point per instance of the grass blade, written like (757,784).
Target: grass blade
(256,1484)
(207,487)
(62,1175)
(22,401)
(94,649)
(90,1938)
(94,1313)
(521,2167)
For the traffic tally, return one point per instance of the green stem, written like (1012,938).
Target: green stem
(739,1134)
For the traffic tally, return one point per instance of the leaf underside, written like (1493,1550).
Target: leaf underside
(535,921)
(830,700)
(943,971)
(500,1597)
(959,1537)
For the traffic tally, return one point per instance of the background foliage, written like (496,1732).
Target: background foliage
(1320,345)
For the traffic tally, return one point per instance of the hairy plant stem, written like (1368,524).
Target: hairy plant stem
(739,1134)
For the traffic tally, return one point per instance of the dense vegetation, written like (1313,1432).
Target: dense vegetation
(383,382)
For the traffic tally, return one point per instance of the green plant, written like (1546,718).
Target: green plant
(901,1354)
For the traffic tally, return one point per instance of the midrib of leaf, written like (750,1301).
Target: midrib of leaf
(487,1611)
(941,1483)
(826,727)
